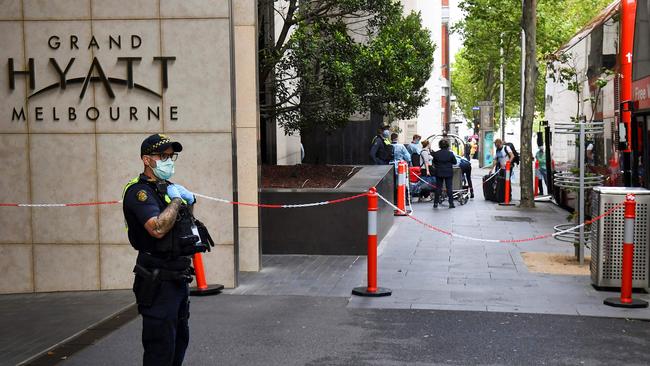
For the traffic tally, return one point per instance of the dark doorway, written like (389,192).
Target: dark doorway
(348,145)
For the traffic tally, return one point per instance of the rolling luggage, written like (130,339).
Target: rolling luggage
(500,186)
(494,189)
(489,188)
(412,172)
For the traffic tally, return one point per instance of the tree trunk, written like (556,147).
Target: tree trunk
(529,20)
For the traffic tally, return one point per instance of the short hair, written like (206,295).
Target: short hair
(393,136)
(416,136)
(425,143)
(498,141)
(443,144)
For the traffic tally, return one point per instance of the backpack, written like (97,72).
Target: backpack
(515,161)
(385,152)
(415,159)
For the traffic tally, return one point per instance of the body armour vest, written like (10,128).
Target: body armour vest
(184,237)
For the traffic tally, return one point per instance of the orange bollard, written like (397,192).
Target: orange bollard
(506,199)
(626,300)
(372,290)
(202,288)
(401,188)
(536,178)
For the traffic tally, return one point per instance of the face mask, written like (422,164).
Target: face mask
(164,169)
(417,141)
(386,133)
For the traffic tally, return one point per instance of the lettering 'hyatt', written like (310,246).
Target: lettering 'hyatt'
(95,74)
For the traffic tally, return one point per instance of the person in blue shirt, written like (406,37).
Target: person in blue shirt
(415,146)
(400,152)
(466,168)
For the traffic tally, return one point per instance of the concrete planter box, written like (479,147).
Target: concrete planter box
(340,228)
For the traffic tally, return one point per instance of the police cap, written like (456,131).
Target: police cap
(158,143)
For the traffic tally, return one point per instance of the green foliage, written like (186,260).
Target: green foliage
(345,57)
(491,23)
(393,68)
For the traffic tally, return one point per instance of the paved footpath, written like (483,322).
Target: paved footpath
(32,323)
(454,302)
(430,270)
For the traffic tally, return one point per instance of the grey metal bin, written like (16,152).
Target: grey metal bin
(606,237)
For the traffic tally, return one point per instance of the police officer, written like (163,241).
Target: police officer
(160,226)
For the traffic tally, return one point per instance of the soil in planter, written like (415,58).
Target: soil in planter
(306,176)
(556,263)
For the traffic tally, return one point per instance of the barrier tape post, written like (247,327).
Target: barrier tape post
(372,290)
(202,288)
(401,189)
(626,300)
(536,179)
(506,199)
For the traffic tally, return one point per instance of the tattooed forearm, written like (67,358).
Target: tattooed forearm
(165,221)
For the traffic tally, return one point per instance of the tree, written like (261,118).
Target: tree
(529,25)
(488,24)
(336,58)
(491,23)
(475,72)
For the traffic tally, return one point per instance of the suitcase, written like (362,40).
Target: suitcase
(500,187)
(412,172)
(489,188)
(494,189)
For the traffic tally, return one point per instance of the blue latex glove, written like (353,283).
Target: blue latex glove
(184,193)
(173,192)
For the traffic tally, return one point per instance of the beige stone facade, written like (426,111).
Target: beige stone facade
(72,146)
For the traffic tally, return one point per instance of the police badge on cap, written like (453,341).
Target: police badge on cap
(158,143)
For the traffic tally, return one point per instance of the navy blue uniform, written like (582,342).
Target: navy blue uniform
(165,330)
(444,161)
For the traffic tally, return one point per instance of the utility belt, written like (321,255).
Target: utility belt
(151,272)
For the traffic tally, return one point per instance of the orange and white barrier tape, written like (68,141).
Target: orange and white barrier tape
(339,200)
(424,181)
(269,205)
(59,204)
(511,241)
(262,205)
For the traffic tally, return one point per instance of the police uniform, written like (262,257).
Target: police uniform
(163,268)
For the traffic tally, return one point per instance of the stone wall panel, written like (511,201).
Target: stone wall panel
(199,83)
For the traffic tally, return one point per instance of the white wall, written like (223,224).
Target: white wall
(562,104)
(429,118)
(288,146)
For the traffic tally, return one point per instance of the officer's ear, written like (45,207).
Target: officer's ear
(146,159)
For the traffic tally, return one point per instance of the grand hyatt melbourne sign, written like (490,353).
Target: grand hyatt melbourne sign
(95,74)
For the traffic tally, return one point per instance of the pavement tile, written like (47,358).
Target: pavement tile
(602,310)
(447,307)
(426,269)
